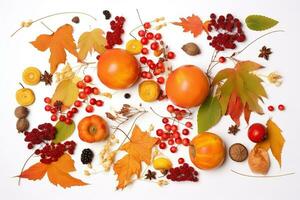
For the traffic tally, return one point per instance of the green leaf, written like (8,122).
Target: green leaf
(209,114)
(64,131)
(260,22)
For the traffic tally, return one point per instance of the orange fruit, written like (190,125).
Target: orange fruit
(187,86)
(118,69)
(207,151)
(149,90)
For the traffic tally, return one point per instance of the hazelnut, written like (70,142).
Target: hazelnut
(21,112)
(191,49)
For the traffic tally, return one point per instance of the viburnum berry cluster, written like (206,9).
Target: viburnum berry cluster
(229,30)
(183,173)
(114,37)
(52,152)
(171,134)
(85,93)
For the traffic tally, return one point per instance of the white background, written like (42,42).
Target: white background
(17,53)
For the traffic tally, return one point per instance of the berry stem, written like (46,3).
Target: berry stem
(21,85)
(52,15)
(257,176)
(23,167)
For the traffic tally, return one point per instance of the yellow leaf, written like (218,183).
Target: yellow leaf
(275,141)
(67,92)
(58,42)
(90,41)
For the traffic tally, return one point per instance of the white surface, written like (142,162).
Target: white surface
(17,53)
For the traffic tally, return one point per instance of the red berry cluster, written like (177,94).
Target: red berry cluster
(183,173)
(114,37)
(153,42)
(85,91)
(44,132)
(171,134)
(229,31)
(52,152)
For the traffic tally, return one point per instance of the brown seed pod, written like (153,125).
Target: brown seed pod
(191,49)
(238,152)
(75,20)
(21,112)
(259,161)
(22,125)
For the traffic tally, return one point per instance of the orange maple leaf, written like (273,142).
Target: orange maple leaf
(139,150)
(192,24)
(58,172)
(58,42)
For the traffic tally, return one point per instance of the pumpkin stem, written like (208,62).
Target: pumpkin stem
(92,130)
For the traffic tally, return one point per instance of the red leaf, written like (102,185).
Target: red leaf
(235,108)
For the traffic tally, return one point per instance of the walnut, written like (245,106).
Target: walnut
(238,152)
(22,125)
(21,112)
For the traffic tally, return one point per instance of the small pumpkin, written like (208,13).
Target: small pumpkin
(92,129)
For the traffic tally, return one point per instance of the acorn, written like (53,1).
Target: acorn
(22,125)
(21,112)
(191,49)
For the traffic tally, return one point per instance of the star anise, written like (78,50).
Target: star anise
(233,129)
(58,105)
(265,52)
(47,78)
(150,175)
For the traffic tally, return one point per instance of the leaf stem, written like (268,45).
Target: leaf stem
(52,15)
(258,176)
(47,27)
(23,167)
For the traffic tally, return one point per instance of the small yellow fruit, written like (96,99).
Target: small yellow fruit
(162,163)
(134,46)
(25,97)
(149,90)
(31,76)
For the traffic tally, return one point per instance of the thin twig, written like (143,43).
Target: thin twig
(23,167)
(257,176)
(47,27)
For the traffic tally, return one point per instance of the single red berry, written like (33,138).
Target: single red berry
(144,51)
(93,101)
(271,108)
(142,33)
(143,59)
(174,128)
(48,108)
(185,131)
(89,109)
(165,136)
(170,142)
(170,108)
(149,36)
(257,132)
(186,141)
(179,117)
(95,91)
(162,145)
(87,90)
(180,160)
(80,84)
(53,110)
(70,114)
(148,75)
(30,146)
(168,127)
(176,135)
(82,95)
(77,103)
(188,124)
(99,103)
(178,140)
(165,120)
(147,25)
(159,132)
(144,74)
(74,110)
(171,55)
(53,118)
(157,36)
(144,41)
(160,80)
(173,149)
(68,121)
(62,118)
(222,59)
(87,78)
(47,100)
(154,46)
(281,107)
(98,57)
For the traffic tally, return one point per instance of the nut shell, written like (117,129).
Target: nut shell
(21,112)
(238,152)
(22,125)
(191,49)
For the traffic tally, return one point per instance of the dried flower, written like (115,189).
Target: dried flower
(159,19)
(275,78)
(150,128)
(65,74)
(150,175)
(26,23)
(107,156)
(106,94)
(162,182)
(233,129)
(86,173)
(47,78)
(160,26)
(265,52)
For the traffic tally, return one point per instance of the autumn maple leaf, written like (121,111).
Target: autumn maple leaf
(58,172)
(139,150)
(192,24)
(58,42)
(241,91)
(89,41)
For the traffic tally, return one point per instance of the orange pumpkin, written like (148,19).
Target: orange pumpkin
(207,151)
(118,69)
(187,86)
(92,129)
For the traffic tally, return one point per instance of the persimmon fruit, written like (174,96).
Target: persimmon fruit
(118,69)
(207,151)
(187,86)
(92,129)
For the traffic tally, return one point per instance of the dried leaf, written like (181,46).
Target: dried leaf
(275,141)
(209,114)
(58,172)
(58,42)
(89,41)
(64,131)
(260,23)
(66,92)
(192,24)
(139,150)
